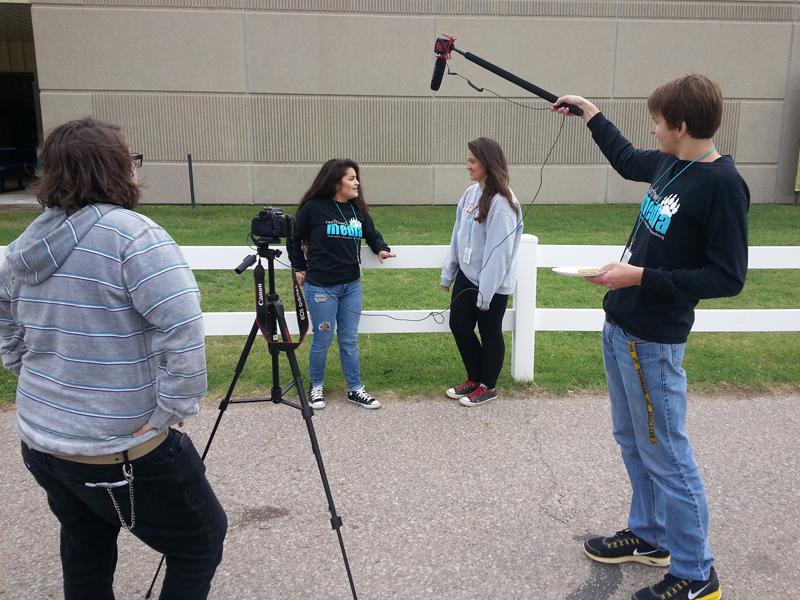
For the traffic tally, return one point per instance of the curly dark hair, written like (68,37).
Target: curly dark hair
(328,178)
(86,162)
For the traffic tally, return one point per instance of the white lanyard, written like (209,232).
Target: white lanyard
(355,217)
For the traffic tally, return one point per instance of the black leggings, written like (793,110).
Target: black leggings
(483,359)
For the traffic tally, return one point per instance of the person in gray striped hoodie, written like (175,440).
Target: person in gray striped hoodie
(100,320)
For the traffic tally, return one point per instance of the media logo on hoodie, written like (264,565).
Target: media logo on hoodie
(658,214)
(352,229)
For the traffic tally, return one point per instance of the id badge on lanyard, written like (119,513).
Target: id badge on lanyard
(628,252)
(468,249)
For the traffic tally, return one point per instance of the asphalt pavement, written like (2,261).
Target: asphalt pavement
(445,502)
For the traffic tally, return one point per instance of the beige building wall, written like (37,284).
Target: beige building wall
(261,92)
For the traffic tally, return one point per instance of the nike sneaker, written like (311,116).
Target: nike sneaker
(673,588)
(624,546)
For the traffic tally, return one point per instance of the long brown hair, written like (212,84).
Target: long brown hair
(85,162)
(327,181)
(491,156)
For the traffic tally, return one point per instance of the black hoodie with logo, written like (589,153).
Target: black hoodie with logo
(690,236)
(334,231)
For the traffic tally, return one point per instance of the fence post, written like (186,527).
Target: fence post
(524,333)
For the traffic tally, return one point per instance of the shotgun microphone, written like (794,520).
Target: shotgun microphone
(438,73)
(442,49)
(445,44)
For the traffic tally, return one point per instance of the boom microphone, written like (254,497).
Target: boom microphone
(445,44)
(438,73)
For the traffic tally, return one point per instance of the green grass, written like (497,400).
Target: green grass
(770,224)
(421,364)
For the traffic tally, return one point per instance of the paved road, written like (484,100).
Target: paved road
(445,502)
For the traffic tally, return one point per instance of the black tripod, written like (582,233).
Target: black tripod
(271,320)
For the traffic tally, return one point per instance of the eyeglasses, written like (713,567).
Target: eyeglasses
(137,160)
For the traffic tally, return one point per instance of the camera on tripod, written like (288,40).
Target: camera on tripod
(272,223)
(266,228)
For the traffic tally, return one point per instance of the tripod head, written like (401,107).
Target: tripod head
(262,251)
(262,246)
(269,308)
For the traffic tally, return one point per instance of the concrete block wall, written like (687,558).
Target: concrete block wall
(261,92)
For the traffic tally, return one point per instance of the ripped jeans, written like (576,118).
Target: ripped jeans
(335,308)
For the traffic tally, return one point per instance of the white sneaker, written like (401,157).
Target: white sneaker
(316,399)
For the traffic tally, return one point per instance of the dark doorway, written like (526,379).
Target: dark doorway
(19,133)
(19,98)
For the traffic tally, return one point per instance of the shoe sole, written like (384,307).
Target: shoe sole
(374,406)
(716,595)
(643,559)
(471,405)
(455,395)
(319,406)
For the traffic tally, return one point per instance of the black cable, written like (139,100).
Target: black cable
(483,89)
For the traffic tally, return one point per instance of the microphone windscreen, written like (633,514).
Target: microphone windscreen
(438,73)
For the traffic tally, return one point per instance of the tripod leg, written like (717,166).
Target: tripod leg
(227,399)
(307,412)
(276,393)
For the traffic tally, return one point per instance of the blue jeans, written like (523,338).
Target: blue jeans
(668,507)
(335,308)
(177,514)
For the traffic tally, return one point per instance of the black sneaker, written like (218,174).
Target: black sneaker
(624,546)
(362,398)
(673,588)
(480,395)
(316,398)
(462,389)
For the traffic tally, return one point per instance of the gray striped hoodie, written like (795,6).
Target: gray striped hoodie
(100,319)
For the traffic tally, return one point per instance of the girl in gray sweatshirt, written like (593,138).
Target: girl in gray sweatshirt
(482,268)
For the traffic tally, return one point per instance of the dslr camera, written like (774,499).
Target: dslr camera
(272,223)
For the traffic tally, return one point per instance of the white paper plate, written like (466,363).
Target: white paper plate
(577,271)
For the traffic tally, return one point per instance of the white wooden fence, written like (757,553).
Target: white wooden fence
(524,319)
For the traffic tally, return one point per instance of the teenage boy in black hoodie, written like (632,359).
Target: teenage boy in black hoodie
(689,242)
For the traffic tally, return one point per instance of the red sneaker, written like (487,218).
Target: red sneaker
(480,395)
(462,389)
